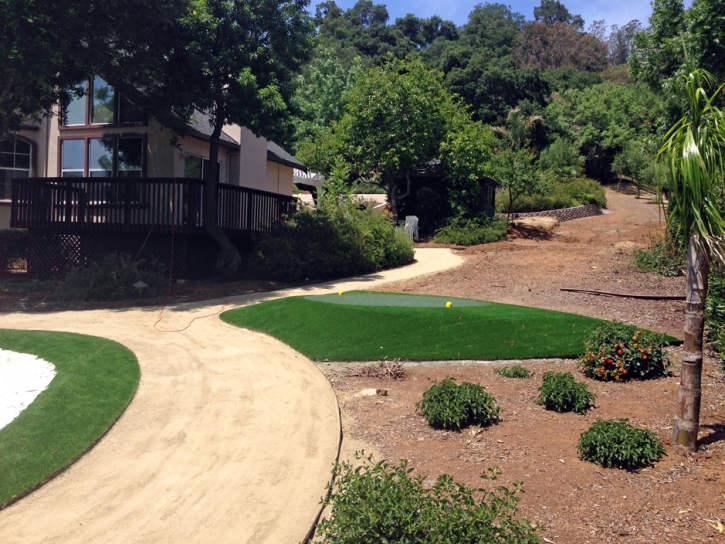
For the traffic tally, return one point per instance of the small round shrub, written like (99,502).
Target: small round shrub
(619,352)
(515,371)
(378,503)
(449,406)
(615,443)
(560,392)
(13,247)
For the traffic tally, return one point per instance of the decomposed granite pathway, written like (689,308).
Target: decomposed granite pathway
(230,438)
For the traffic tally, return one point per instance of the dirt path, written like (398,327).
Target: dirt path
(593,253)
(230,437)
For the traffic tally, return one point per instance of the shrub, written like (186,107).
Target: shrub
(560,392)
(615,443)
(619,352)
(338,240)
(563,194)
(715,313)
(450,406)
(662,257)
(378,503)
(13,247)
(515,371)
(113,278)
(465,231)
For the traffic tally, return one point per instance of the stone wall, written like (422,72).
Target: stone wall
(564,214)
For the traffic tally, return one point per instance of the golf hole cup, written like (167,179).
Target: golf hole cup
(449,304)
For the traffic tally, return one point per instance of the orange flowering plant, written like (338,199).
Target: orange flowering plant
(619,352)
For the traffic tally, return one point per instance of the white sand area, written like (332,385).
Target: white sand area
(22,378)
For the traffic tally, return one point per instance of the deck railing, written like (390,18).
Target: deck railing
(139,205)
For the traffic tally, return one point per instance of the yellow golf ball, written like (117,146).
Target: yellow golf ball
(449,304)
(341,293)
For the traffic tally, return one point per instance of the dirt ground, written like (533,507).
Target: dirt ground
(576,501)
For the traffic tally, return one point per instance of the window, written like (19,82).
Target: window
(15,160)
(194,167)
(102,157)
(100,105)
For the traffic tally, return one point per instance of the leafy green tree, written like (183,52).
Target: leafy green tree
(562,158)
(395,118)
(514,170)
(693,150)
(317,99)
(635,161)
(553,11)
(235,60)
(602,119)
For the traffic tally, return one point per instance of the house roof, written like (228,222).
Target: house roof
(201,127)
(276,154)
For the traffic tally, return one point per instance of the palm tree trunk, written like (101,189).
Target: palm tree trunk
(687,422)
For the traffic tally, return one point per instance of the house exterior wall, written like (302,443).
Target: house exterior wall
(279,178)
(253,160)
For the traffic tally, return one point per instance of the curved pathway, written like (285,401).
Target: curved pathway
(230,437)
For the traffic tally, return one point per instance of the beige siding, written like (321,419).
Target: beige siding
(279,178)
(253,161)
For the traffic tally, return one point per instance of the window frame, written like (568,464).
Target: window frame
(86,150)
(31,163)
(206,160)
(88,98)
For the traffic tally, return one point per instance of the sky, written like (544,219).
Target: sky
(618,12)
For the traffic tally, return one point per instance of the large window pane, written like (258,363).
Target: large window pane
(128,112)
(73,158)
(102,95)
(74,112)
(5,185)
(130,157)
(100,157)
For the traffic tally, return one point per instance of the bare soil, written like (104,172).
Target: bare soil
(575,501)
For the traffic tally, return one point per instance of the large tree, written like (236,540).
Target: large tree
(396,116)
(694,150)
(235,61)
(558,44)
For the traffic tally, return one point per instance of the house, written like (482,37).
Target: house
(100,177)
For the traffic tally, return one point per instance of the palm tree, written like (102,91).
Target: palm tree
(693,151)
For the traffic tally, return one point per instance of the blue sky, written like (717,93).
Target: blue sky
(618,12)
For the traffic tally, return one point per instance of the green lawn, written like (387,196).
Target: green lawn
(95,380)
(340,332)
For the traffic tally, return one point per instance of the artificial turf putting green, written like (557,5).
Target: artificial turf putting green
(424,329)
(94,382)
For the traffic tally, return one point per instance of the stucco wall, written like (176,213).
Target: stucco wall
(279,178)
(4,214)
(253,161)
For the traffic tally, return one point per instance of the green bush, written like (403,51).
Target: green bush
(662,257)
(465,231)
(563,194)
(615,443)
(515,371)
(113,279)
(13,247)
(715,313)
(450,406)
(338,240)
(620,352)
(560,392)
(378,503)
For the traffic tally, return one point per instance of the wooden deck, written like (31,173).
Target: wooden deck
(128,205)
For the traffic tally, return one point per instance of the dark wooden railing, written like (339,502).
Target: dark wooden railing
(138,205)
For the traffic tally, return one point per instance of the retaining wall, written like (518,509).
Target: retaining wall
(564,214)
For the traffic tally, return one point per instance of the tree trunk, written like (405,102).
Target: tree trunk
(687,422)
(393,199)
(230,259)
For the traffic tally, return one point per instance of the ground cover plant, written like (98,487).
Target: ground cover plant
(562,194)
(615,443)
(95,380)
(465,231)
(350,332)
(662,257)
(615,351)
(516,371)
(560,392)
(378,502)
(447,405)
